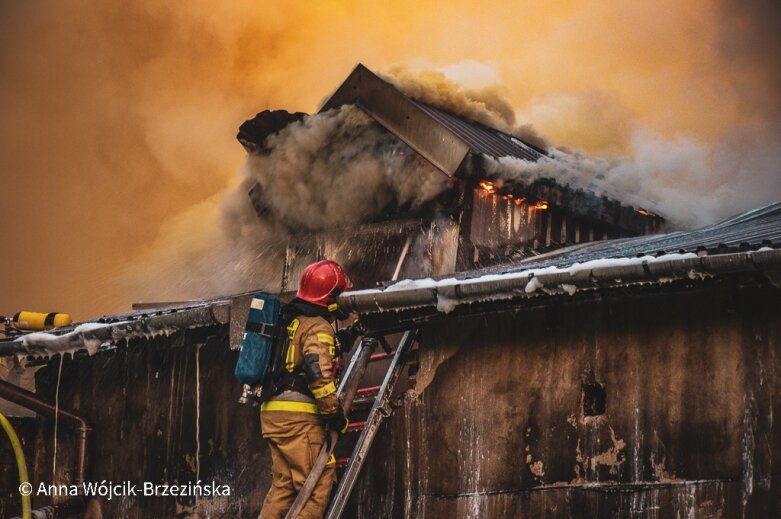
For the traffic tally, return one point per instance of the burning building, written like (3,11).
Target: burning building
(570,358)
(477,218)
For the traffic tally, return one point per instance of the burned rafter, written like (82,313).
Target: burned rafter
(254,132)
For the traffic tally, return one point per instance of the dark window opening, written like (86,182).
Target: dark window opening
(594,399)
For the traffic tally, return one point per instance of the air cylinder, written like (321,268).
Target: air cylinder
(39,321)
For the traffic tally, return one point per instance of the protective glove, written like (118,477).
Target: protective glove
(336,421)
(346,336)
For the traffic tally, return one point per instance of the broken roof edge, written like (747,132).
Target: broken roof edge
(398,114)
(446,294)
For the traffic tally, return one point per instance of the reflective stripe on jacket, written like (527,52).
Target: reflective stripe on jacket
(311,350)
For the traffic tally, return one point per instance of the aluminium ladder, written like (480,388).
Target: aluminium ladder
(381,409)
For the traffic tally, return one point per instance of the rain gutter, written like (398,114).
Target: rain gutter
(453,292)
(91,336)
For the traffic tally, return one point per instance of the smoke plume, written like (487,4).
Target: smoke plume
(338,168)
(329,170)
(682,179)
(122,175)
(488,105)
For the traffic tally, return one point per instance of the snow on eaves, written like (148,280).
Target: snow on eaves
(91,336)
(448,293)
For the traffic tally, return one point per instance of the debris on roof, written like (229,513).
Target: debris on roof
(253,132)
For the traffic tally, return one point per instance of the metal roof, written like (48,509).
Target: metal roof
(440,137)
(750,230)
(430,297)
(481,139)
(743,244)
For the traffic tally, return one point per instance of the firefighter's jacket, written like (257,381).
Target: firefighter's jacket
(310,355)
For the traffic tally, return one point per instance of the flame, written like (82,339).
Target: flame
(541,205)
(507,197)
(487,186)
(643,212)
(519,201)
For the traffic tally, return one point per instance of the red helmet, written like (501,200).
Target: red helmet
(321,282)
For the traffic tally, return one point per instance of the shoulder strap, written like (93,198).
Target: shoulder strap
(290,355)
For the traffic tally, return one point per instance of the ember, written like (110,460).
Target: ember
(487,186)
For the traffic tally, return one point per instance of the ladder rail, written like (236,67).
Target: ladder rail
(347,389)
(379,411)
(350,367)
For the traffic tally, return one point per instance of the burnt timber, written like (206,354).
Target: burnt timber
(638,397)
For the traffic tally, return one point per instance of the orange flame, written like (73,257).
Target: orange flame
(541,205)
(487,186)
(519,201)
(643,212)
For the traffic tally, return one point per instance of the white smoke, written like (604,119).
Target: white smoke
(329,170)
(341,168)
(487,105)
(682,179)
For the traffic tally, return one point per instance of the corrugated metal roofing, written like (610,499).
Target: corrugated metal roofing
(482,139)
(739,245)
(749,230)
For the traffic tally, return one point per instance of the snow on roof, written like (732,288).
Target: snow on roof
(92,336)
(739,244)
(446,294)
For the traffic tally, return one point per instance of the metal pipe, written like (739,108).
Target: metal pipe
(367,391)
(382,356)
(355,426)
(31,401)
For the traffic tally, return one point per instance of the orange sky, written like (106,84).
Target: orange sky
(117,117)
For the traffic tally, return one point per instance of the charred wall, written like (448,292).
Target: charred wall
(152,407)
(499,425)
(682,386)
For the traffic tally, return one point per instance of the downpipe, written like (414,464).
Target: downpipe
(31,401)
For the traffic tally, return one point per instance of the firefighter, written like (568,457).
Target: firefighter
(294,420)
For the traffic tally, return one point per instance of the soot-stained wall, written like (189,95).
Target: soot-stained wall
(683,387)
(152,407)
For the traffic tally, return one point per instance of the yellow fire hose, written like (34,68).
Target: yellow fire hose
(23,478)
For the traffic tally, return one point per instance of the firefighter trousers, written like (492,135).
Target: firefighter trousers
(295,440)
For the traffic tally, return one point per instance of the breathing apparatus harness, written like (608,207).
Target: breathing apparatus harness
(285,377)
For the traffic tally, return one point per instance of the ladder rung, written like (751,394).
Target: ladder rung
(371,425)
(342,462)
(355,426)
(367,391)
(381,356)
